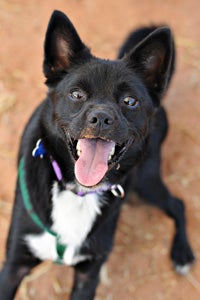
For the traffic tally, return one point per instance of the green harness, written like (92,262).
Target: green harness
(60,248)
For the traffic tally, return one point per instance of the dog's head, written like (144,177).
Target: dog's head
(101,108)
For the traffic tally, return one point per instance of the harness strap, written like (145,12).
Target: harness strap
(60,248)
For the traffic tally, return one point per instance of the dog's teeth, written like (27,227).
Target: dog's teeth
(79,153)
(78,146)
(112,152)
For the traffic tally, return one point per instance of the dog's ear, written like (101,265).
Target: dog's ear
(153,60)
(62,47)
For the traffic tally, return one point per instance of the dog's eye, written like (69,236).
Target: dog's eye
(130,101)
(77,95)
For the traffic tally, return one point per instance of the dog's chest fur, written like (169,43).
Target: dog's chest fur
(73,217)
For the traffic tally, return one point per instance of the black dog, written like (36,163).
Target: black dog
(99,132)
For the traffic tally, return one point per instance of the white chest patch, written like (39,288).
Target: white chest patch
(73,217)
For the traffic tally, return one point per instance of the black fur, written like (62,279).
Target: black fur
(142,72)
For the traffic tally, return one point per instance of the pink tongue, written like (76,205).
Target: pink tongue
(92,164)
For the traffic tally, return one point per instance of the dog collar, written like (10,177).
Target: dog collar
(116,189)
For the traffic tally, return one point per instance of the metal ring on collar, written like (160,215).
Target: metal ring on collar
(117,190)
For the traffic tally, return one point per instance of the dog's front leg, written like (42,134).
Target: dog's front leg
(99,245)
(86,280)
(152,189)
(10,278)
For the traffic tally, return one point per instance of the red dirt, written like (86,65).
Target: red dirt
(139,267)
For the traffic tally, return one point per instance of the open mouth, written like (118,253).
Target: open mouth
(94,157)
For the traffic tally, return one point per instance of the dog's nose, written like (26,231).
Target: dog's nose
(100,118)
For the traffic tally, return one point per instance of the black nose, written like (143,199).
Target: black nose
(100,118)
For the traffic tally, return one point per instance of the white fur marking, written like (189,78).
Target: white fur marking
(73,217)
(182,270)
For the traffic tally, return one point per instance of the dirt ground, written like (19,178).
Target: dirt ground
(139,267)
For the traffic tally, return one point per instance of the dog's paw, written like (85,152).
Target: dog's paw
(182,255)
(182,270)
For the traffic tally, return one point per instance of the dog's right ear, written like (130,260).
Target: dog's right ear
(61,48)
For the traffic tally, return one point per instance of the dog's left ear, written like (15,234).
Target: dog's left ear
(61,48)
(153,61)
